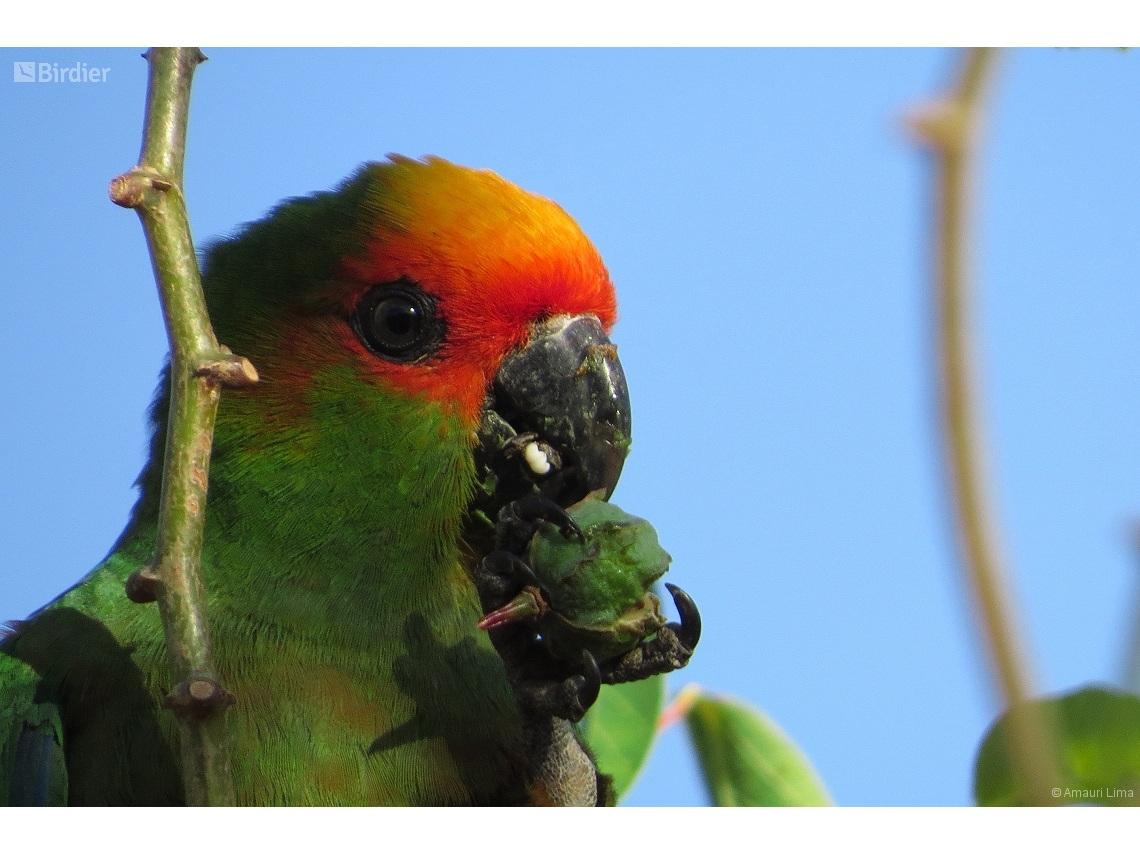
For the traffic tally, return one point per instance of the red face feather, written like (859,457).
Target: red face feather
(496,259)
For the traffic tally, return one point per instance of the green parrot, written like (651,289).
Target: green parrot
(436,383)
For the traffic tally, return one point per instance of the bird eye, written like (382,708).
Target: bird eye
(397,321)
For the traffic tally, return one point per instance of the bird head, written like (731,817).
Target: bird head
(448,298)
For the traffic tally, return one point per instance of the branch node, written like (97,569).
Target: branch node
(142,585)
(198,698)
(226,369)
(193,59)
(941,125)
(129,189)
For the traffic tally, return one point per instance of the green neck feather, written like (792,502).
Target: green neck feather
(349,510)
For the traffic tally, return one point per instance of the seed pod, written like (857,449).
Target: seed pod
(598,592)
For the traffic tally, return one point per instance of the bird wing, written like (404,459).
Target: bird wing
(33,771)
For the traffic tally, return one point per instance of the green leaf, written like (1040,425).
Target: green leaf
(620,725)
(1098,737)
(748,760)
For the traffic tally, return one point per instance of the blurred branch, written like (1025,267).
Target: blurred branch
(199,366)
(948,127)
(1131,676)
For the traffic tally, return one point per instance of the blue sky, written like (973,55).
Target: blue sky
(765,220)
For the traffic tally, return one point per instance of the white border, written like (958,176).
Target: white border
(571,23)
(574,831)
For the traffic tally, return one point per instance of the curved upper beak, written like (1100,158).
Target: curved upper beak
(558,417)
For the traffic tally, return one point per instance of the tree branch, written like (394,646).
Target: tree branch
(199,367)
(949,128)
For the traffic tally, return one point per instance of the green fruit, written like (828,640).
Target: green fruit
(598,591)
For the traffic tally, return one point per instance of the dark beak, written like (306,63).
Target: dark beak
(557,421)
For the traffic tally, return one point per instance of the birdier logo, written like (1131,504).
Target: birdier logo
(51,72)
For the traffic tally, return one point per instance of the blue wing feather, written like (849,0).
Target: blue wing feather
(33,770)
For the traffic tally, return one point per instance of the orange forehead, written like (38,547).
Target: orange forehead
(495,257)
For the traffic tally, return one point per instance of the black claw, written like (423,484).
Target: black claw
(541,508)
(571,530)
(688,631)
(532,509)
(499,577)
(593,676)
(518,569)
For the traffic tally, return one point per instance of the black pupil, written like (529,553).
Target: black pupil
(398,321)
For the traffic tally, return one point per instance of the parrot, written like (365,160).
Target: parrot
(437,383)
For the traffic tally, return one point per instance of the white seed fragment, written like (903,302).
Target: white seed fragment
(536,459)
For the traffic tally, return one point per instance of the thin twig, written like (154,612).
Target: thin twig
(199,367)
(1130,678)
(949,127)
